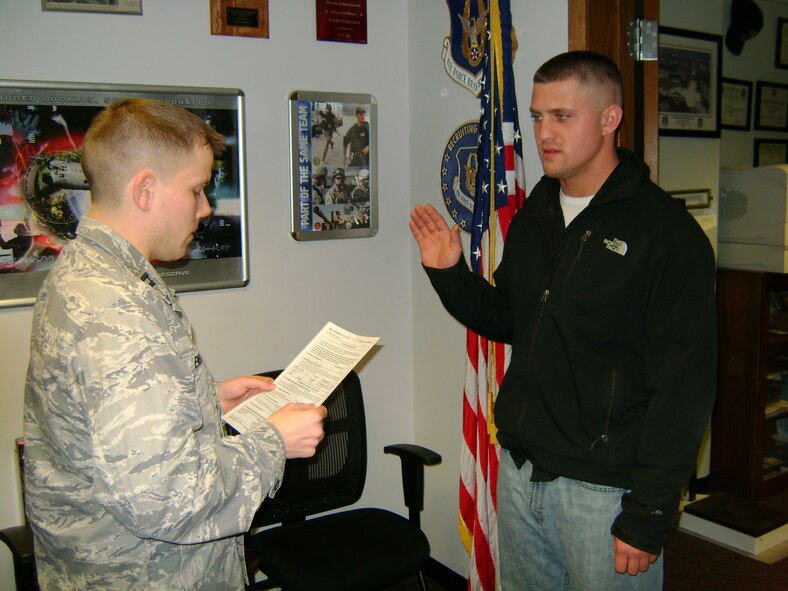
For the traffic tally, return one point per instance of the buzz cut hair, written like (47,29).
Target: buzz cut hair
(588,67)
(137,133)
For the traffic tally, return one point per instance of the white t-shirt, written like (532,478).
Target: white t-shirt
(572,206)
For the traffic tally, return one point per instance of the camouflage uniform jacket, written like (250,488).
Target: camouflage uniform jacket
(130,483)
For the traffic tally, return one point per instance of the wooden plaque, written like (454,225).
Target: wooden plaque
(244,18)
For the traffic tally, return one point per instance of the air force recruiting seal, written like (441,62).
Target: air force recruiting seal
(458,173)
(463,50)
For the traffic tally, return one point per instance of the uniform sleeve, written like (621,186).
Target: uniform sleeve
(162,467)
(680,378)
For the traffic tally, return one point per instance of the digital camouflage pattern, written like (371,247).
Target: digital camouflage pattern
(130,482)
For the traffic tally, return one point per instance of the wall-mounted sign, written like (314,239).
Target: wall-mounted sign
(241,18)
(458,173)
(341,20)
(334,171)
(463,49)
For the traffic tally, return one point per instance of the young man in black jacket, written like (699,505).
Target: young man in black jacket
(606,292)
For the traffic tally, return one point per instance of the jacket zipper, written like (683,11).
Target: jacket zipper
(604,437)
(583,239)
(540,312)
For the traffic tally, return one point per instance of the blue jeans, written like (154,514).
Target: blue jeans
(555,536)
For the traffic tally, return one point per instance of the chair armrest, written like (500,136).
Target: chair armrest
(413,459)
(19,540)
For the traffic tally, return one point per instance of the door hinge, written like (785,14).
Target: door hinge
(642,38)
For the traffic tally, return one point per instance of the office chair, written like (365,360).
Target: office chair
(19,540)
(352,550)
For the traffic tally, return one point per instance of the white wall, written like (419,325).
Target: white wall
(372,286)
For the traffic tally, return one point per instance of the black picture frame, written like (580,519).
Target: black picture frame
(771,106)
(781,48)
(690,71)
(768,152)
(735,104)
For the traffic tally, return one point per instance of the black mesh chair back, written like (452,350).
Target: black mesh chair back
(334,477)
(357,549)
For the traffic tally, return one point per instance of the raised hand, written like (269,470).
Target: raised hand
(439,245)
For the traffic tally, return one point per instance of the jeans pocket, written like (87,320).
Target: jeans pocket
(600,487)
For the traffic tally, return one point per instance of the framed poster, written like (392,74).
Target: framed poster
(690,70)
(43,192)
(735,104)
(767,152)
(333,164)
(781,51)
(111,6)
(771,106)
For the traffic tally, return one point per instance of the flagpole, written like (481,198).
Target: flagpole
(496,71)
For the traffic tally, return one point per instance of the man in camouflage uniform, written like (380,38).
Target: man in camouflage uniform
(130,481)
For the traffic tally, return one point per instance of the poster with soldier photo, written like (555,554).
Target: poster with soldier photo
(333,161)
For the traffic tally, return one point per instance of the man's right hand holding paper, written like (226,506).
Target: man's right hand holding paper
(301,427)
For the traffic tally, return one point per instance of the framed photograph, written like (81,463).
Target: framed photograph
(767,152)
(690,70)
(43,191)
(333,163)
(771,106)
(693,198)
(111,6)
(735,104)
(781,51)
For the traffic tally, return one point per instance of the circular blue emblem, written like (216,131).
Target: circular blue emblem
(458,173)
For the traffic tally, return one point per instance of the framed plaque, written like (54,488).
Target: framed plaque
(690,70)
(242,18)
(767,152)
(44,193)
(735,104)
(112,6)
(333,164)
(771,106)
(341,20)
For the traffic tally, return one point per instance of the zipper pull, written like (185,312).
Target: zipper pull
(544,297)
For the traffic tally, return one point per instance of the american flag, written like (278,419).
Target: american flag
(500,192)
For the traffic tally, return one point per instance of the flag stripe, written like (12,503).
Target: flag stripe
(500,192)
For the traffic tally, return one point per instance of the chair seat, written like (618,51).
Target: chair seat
(356,550)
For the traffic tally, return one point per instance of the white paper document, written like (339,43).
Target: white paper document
(311,376)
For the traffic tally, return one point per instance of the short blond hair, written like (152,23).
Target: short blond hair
(136,133)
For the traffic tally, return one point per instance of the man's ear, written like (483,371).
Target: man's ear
(611,119)
(143,188)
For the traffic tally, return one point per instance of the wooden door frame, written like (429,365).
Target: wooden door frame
(589,28)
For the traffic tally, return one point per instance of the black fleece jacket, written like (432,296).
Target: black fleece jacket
(612,322)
